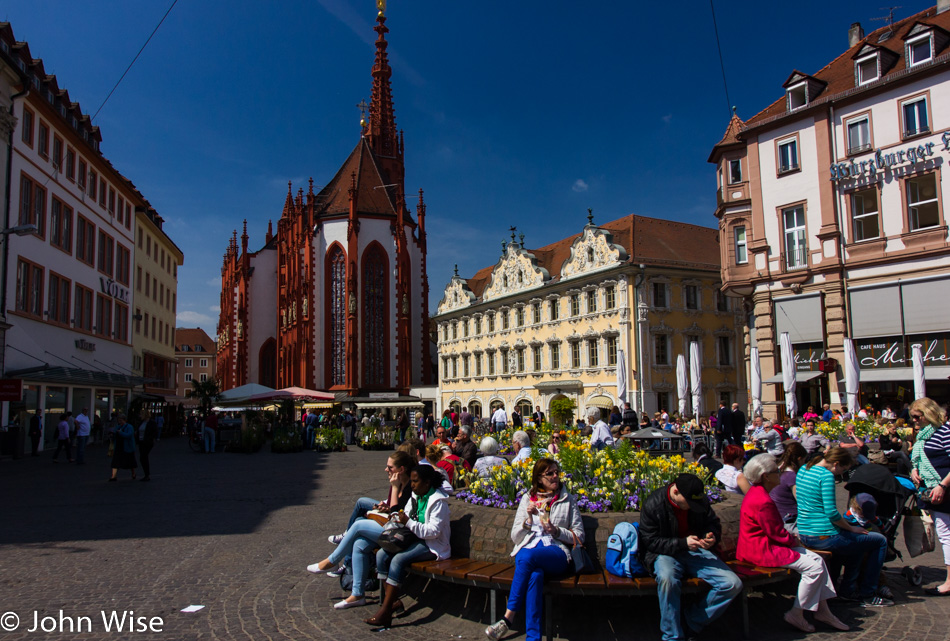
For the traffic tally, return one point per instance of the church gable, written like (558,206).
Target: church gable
(593,250)
(457,295)
(517,270)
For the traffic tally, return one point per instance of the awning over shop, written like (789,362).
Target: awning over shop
(75,376)
(559,385)
(903,374)
(602,402)
(800,377)
(385,404)
(318,406)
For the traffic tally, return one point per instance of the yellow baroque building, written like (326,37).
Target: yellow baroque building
(554,322)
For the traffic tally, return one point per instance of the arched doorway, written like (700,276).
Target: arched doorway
(475,408)
(524,407)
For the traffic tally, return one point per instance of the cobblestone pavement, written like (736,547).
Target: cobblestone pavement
(235,532)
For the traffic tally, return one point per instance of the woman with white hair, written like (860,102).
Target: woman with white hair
(521,444)
(764,541)
(488,447)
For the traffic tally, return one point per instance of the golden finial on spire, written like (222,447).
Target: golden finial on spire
(381,5)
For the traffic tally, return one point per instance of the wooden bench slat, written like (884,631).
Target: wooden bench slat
(616,582)
(504,577)
(461,571)
(591,580)
(439,567)
(645,582)
(422,566)
(486,573)
(566,582)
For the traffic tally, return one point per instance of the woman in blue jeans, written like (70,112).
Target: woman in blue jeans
(427,516)
(362,533)
(821,527)
(547,522)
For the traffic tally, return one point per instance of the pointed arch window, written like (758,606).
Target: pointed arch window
(336,314)
(375,297)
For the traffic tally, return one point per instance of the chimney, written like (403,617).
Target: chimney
(942,5)
(856,33)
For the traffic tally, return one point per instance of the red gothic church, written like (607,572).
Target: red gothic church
(336,299)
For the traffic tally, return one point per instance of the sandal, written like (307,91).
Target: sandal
(798,622)
(936,592)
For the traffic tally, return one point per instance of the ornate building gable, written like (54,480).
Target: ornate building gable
(457,294)
(518,270)
(593,250)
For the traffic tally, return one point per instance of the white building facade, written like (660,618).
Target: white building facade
(832,223)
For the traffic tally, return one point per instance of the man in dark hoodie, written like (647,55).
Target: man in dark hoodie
(678,529)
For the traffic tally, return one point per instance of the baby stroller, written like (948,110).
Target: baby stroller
(895,498)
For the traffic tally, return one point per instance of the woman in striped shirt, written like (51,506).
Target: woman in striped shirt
(931,461)
(821,527)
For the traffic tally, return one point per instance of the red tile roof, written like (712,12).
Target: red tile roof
(192,337)
(839,73)
(373,197)
(652,241)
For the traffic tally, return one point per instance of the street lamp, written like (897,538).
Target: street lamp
(20,230)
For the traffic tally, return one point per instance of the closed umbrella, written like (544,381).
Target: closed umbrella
(920,385)
(788,375)
(682,383)
(852,374)
(621,377)
(756,382)
(696,377)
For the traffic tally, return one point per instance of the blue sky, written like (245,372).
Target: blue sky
(516,113)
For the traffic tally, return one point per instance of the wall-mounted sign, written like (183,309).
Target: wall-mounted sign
(384,396)
(113,289)
(883,160)
(85,345)
(895,351)
(11,389)
(807,356)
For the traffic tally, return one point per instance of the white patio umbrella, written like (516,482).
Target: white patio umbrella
(920,385)
(852,375)
(682,383)
(621,377)
(756,368)
(696,378)
(788,375)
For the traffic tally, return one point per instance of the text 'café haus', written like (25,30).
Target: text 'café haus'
(832,217)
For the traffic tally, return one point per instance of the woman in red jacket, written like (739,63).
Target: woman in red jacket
(764,541)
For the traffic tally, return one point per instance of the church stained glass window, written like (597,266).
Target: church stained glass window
(336,311)
(375,286)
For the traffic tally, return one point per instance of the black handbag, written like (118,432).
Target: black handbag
(396,537)
(581,560)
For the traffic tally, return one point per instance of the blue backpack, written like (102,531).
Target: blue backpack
(621,558)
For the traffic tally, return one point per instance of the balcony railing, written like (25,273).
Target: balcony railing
(796,258)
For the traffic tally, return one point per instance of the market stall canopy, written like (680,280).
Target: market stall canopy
(651,432)
(243,393)
(291,394)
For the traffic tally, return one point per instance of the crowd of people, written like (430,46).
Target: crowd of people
(788,514)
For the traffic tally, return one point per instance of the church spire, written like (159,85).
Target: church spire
(382,135)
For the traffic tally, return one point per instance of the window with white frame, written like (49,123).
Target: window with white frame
(591,302)
(491,323)
(519,317)
(610,297)
(188,377)
(859,135)
(920,50)
(189,362)
(915,116)
(793,221)
(797,96)
(465,328)
(662,400)
(478,364)
(491,363)
(536,357)
(866,69)
(660,298)
(455,367)
(555,305)
(478,325)
(661,349)
(592,356)
(203,377)
(455,330)
(922,205)
(735,172)
(612,351)
(864,215)
(788,155)
(555,356)
(575,305)
(575,354)
(519,361)
(465,367)
(536,313)
(505,319)
(203,362)
(692,296)
(742,249)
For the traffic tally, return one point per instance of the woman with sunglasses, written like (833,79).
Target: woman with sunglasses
(362,533)
(931,473)
(555,445)
(546,525)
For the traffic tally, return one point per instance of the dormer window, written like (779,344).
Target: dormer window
(797,96)
(920,49)
(866,69)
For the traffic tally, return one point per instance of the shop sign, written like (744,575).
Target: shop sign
(895,351)
(85,345)
(112,288)
(808,356)
(884,160)
(384,396)
(11,389)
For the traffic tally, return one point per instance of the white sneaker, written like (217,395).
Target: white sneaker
(338,572)
(497,630)
(344,604)
(335,538)
(315,568)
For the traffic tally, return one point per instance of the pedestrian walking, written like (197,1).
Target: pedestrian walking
(62,439)
(123,450)
(83,430)
(36,431)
